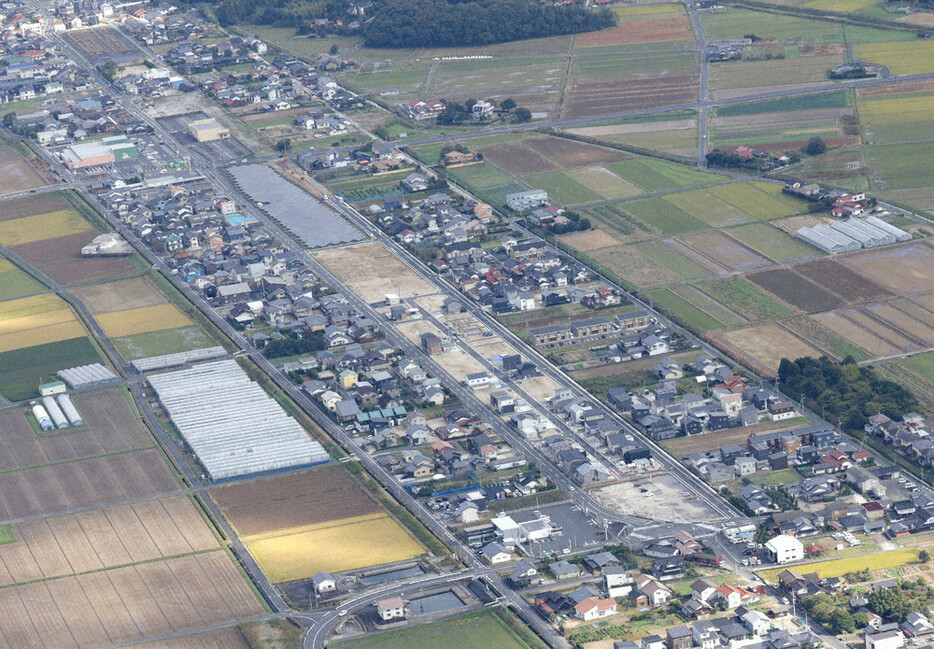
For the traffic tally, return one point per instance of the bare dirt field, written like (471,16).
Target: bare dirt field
(126,604)
(884,331)
(917,86)
(122,295)
(836,277)
(683,446)
(906,270)
(228,638)
(726,251)
(638,127)
(590,240)
(112,427)
(898,319)
(588,97)
(16,174)
(371,271)
(732,93)
(568,153)
(20,208)
(649,30)
(515,158)
(60,258)
(668,501)
(764,346)
(84,483)
(103,538)
(838,323)
(292,501)
(540,388)
(795,290)
(413,329)
(458,364)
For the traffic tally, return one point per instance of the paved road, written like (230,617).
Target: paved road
(702,110)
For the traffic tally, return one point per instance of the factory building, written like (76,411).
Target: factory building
(101,152)
(64,401)
(207,130)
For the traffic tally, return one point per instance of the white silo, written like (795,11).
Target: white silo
(70,411)
(42,417)
(58,417)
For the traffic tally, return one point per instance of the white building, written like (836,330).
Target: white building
(390,608)
(593,608)
(785,549)
(324,583)
(527,200)
(885,640)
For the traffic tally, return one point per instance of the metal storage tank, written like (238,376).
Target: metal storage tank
(42,417)
(70,411)
(57,416)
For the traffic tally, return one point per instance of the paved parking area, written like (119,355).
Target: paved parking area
(221,151)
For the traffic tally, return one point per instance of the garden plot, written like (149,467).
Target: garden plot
(836,277)
(725,250)
(593,95)
(371,271)
(795,290)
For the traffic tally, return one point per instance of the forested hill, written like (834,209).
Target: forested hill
(446,23)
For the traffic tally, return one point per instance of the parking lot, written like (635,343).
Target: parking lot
(221,152)
(574,530)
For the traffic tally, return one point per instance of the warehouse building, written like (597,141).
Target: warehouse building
(522,201)
(231,424)
(101,152)
(208,130)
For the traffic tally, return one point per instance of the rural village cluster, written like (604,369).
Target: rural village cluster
(614,339)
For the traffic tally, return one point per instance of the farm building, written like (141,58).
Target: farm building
(827,239)
(527,200)
(177,359)
(53,387)
(42,417)
(102,152)
(87,375)
(231,424)
(64,401)
(58,417)
(860,230)
(208,130)
(898,233)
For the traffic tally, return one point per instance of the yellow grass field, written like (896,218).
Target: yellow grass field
(840,6)
(142,320)
(36,321)
(840,567)
(42,226)
(643,10)
(6,266)
(899,110)
(333,546)
(903,57)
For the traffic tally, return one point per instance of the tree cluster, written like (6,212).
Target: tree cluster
(577,224)
(896,603)
(292,344)
(815,146)
(452,23)
(833,614)
(282,13)
(847,391)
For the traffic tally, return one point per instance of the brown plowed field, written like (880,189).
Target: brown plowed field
(763,347)
(19,208)
(918,86)
(836,322)
(111,428)
(229,638)
(292,500)
(726,251)
(130,603)
(516,159)
(84,483)
(60,258)
(915,328)
(906,270)
(589,96)
(843,281)
(649,30)
(795,290)
(568,153)
(883,331)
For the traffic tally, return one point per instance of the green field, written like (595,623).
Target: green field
(480,630)
(737,23)
(774,243)
(430,154)
(663,216)
(682,310)
(783,476)
(835,99)
(404,75)
(920,364)
(479,176)
(759,200)
(900,166)
(710,306)
(16,283)
(654,175)
(162,342)
(614,217)
(561,188)
(22,370)
(710,209)
(745,298)
(497,195)
(671,259)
